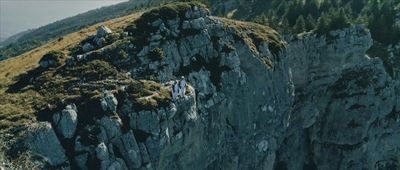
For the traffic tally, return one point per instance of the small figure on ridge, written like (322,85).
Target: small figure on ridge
(182,85)
(175,90)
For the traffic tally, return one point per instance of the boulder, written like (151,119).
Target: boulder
(129,150)
(102,152)
(198,23)
(110,128)
(118,164)
(66,121)
(103,31)
(87,47)
(100,42)
(51,59)
(42,141)
(109,102)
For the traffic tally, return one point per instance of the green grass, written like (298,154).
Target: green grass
(166,12)
(156,54)
(149,95)
(254,34)
(18,110)
(141,28)
(83,85)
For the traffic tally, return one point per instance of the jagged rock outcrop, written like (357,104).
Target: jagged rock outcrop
(227,72)
(103,31)
(312,102)
(43,142)
(343,98)
(109,102)
(66,121)
(87,47)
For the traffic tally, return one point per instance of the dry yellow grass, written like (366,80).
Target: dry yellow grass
(29,60)
(17,108)
(252,32)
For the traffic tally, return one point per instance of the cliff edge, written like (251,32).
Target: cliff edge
(255,100)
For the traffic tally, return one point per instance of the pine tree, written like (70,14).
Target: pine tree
(310,23)
(293,12)
(357,5)
(339,20)
(310,7)
(325,5)
(284,25)
(300,25)
(322,26)
(281,8)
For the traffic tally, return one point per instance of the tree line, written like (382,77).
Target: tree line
(382,17)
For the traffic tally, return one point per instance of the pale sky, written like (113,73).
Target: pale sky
(20,15)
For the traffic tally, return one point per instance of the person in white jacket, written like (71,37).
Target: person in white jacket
(176,88)
(173,91)
(182,85)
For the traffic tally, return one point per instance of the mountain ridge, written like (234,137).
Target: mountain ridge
(256,100)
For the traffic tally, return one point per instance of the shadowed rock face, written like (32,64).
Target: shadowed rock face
(317,103)
(66,121)
(342,99)
(45,143)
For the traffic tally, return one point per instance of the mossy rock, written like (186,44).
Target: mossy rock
(166,12)
(254,34)
(148,95)
(141,28)
(52,59)
(156,54)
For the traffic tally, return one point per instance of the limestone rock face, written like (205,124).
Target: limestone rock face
(109,102)
(129,149)
(343,98)
(66,121)
(103,31)
(223,125)
(44,143)
(87,47)
(318,103)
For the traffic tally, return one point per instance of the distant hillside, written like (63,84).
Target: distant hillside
(7,41)
(285,16)
(249,97)
(297,16)
(33,39)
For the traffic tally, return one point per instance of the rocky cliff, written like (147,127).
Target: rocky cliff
(254,101)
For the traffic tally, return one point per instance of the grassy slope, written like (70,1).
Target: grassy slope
(17,108)
(37,37)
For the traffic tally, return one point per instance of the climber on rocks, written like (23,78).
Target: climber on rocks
(175,90)
(182,84)
(178,88)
